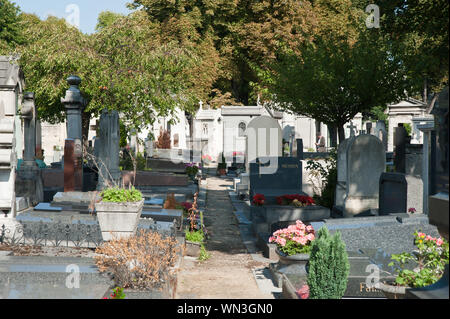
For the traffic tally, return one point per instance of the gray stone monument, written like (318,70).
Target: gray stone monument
(399,193)
(74,104)
(264,139)
(29,183)
(107,149)
(341,185)
(381,132)
(11,84)
(366,161)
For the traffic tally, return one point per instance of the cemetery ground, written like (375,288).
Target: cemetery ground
(228,273)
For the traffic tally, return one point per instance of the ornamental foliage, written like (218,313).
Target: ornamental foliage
(328,266)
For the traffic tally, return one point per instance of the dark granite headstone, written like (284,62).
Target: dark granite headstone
(393,194)
(281,177)
(400,140)
(300,154)
(439,173)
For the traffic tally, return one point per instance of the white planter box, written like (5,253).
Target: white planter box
(118,220)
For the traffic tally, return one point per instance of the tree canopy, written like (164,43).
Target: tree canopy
(9,26)
(314,57)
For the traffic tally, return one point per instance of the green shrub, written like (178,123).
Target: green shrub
(121,195)
(328,266)
(204,255)
(328,175)
(195,236)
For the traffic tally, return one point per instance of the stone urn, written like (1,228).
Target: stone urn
(296,264)
(118,220)
(393,292)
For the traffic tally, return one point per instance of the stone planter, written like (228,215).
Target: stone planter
(118,220)
(300,259)
(393,292)
(192,249)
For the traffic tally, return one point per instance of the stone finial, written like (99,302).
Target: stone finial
(73,98)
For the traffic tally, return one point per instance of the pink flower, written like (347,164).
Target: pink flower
(310,237)
(421,235)
(303,292)
(429,238)
(439,241)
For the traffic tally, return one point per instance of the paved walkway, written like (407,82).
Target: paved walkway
(228,273)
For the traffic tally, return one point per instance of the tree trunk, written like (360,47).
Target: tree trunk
(333,135)
(341,132)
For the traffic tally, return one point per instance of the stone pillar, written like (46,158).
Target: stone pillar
(29,128)
(29,179)
(38,143)
(73,151)
(425,125)
(74,103)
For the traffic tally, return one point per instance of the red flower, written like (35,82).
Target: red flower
(259,199)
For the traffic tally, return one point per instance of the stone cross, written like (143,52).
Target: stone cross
(352,131)
(201,105)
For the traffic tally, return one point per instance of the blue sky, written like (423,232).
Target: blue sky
(88,9)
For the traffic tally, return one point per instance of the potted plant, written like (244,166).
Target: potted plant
(196,233)
(192,170)
(428,263)
(294,243)
(119,211)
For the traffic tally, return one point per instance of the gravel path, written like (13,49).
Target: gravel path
(228,273)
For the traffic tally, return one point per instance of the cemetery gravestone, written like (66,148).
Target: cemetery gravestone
(400,140)
(413,159)
(382,133)
(29,178)
(366,161)
(264,139)
(107,149)
(399,193)
(341,185)
(287,178)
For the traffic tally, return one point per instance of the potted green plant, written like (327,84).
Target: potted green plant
(192,170)
(119,211)
(422,268)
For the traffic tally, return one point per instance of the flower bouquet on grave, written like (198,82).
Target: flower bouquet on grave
(295,239)
(259,200)
(296,200)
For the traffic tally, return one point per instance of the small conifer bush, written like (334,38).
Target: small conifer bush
(328,266)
